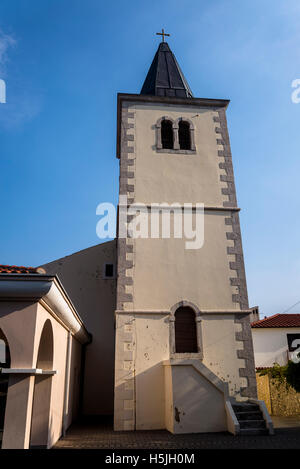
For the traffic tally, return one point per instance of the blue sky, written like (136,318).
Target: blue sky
(64,62)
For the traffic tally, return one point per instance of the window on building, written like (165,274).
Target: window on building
(185,330)
(167,137)
(109,271)
(184,135)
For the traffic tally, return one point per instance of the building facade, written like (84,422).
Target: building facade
(166,307)
(174,148)
(41,343)
(275,339)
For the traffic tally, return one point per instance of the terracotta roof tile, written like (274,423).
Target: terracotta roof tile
(278,320)
(15,269)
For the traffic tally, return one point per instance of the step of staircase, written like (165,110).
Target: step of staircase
(254,415)
(254,431)
(250,419)
(245,407)
(252,424)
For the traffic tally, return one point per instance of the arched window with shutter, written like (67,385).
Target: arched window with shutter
(184,135)
(167,137)
(185,330)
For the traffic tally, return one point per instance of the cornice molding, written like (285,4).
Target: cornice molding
(49,291)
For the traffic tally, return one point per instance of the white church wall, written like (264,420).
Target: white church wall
(156,274)
(200,276)
(152,340)
(194,404)
(169,409)
(203,274)
(125,352)
(147,340)
(199,173)
(81,274)
(220,350)
(152,347)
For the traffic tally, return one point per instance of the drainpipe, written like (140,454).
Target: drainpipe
(67,385)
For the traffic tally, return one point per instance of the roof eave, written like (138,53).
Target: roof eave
(276,327)
(49,290)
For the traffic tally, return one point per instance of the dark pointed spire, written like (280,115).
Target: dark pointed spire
(165,77)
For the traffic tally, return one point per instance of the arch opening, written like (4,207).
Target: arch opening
(184,134)
(167,137)
(45,352)
(40,417)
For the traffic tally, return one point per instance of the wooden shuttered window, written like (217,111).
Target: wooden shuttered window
(185,331)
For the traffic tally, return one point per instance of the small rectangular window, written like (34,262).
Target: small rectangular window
(109,271)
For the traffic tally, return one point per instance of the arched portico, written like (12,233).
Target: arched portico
(39,370)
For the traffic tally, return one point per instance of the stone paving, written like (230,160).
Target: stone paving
(100,434)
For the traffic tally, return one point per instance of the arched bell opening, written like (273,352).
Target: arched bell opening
(167,136)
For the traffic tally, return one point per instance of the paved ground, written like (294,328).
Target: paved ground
(292,422)
(99,434)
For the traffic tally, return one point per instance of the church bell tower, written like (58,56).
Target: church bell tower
(183,337)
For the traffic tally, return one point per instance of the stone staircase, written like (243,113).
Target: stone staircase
(250,419)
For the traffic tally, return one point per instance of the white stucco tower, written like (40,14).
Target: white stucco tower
(183,338)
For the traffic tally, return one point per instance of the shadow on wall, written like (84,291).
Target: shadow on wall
(192,404)
(94,296)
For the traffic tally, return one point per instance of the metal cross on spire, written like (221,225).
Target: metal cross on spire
(163,34)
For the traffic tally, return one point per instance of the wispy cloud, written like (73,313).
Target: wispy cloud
(22,102)
(7,41)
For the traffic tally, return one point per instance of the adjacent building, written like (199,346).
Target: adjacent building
(275,338)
